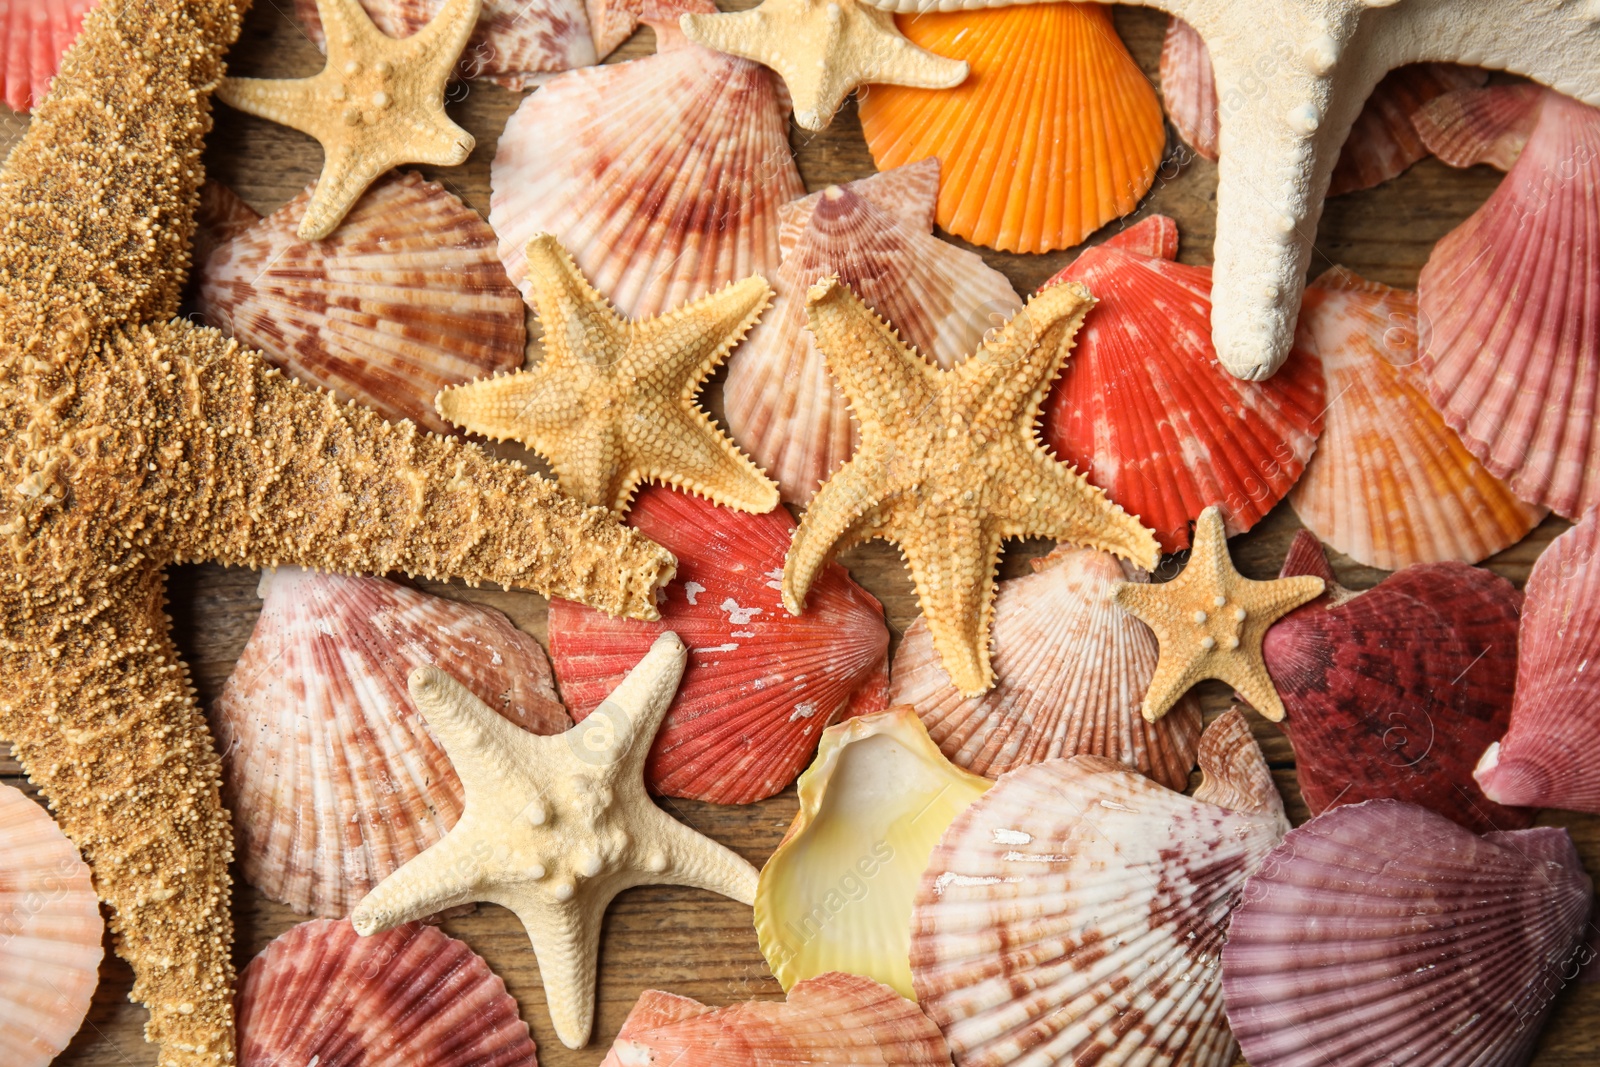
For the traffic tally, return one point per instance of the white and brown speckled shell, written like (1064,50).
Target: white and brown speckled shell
(782,404)
(515,41)
(405,298)
(1076,912)
(662,176)
(1071,668)
(333,777)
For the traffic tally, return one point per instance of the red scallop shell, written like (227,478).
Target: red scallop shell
(34,35)
(761,684)
(1394,692)
(1145,411)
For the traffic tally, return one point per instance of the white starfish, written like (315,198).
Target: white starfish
(1292,75)
(555,827)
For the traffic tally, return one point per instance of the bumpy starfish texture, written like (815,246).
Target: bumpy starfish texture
(950,465)
(1291,79)
(130,440)
(555,827)
(378,103)
(1209,622)
(613,403)
(824,49)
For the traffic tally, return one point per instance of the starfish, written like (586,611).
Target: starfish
(1210,620)
(130,439)
(555,827)
(824,49)
(613,403)
(378,103)
(1291,79)
(950,465)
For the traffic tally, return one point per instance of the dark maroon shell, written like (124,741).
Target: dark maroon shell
(1395,692)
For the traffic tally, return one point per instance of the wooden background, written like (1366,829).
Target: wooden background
(691,942)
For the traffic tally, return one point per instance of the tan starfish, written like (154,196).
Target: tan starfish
(130,439)
(613,403)
(1209,622)
(950,465)
(555,827)
(378,103)
(824,49)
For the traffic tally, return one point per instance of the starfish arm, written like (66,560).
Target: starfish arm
(484,747)
(688,451)
(445,875)
(452,27)
(288,102)
(690,341)
(1254,685)
(1050,499)
(687,857)
(952,566)
(578,325)
(1014,371)
(94,703)
(566,942)
(633,711)
(883,378)
(258,470)
(842,514)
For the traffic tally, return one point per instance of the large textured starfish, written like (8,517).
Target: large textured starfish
(824,49)
(555,827)
(950,466)
(378,102)
(613,402)
(1292,75)
(1209,622)
(130,440)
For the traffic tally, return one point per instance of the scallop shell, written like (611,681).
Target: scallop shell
(332,775)
(1395,692)
(1382,144)
(832,1019)
(50,934)
(1489,126)
(761,684)
(1145,411)
(221,216)
(1075,913)
(34,35)
(1071,668)
(1546,758)
(1510,328)
(1381,933)
(662,176)
(405,298)
(1390,484)
(1054,133)
(320,994)
(837,893)
(781,402)
(515,41)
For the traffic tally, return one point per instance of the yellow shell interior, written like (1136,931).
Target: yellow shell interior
(837,894)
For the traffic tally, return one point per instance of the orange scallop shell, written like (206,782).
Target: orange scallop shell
(1055,133)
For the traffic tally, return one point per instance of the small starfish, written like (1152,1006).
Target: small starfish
(378,103)
(555,827)
(1210,620)
(613,403)
(950,465)
(824,49)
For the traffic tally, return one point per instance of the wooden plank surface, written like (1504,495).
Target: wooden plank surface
(690,942)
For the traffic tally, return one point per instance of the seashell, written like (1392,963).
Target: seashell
(34,35)
(222,216)
(1480,126)
(1546,758)
(1145,411)
(1382,144)
(1394,692)
(1510,329)
(1075,913)
(515,42)
(332,775)
(321,994)
(662,176)
(1390,484)
(1054,133)
(837,893)
(1384,933)
(761,685)
(835,1018)
(50,934)
(405,298)
(1071,668)
(781,402)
